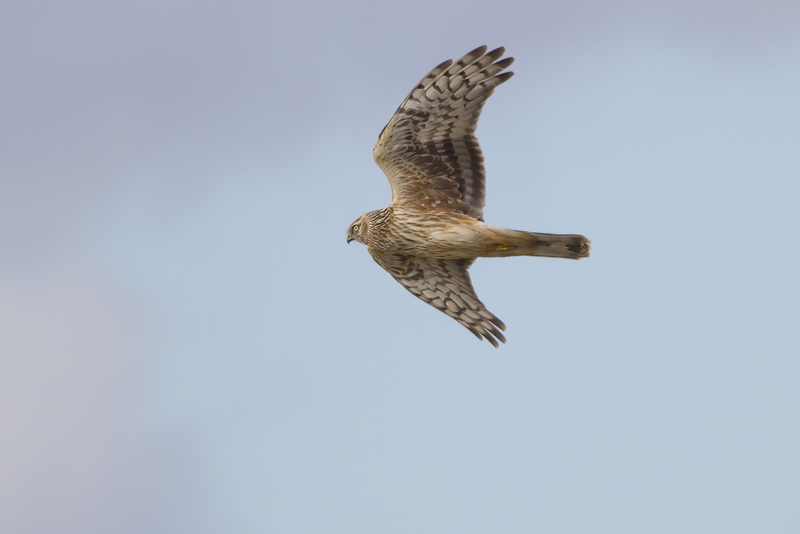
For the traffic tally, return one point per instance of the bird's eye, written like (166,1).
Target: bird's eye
(355,228)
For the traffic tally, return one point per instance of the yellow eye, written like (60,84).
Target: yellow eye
(355,228)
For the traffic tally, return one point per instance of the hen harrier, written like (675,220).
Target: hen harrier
(433,230)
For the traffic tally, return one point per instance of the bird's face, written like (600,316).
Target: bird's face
(358,230)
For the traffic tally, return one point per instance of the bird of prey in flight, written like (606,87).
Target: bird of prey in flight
(433,229)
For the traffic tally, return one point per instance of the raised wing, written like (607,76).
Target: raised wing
(445,285)
(428,150)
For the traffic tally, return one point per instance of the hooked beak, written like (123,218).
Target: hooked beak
(349,238)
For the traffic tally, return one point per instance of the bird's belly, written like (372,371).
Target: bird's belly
(456,241)
(448,242)
(435,236)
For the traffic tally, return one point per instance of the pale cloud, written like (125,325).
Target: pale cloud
(75,454)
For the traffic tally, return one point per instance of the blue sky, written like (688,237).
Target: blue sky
(187,343)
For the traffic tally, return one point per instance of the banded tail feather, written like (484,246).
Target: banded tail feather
(517,243)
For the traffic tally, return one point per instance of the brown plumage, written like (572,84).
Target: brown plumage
(433,230)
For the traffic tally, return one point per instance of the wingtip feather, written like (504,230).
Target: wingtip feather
(481,50)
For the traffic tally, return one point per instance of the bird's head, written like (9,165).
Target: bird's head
(358,230)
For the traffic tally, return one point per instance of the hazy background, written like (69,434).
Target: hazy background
(187,344)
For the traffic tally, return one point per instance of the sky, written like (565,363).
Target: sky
(188,344)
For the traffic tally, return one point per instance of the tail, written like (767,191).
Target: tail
(516,243)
